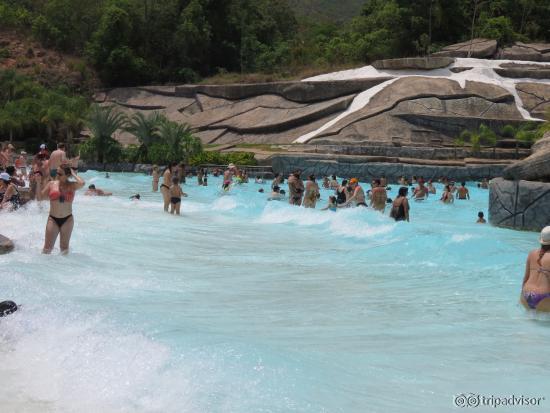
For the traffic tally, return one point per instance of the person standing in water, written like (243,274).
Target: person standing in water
(60,220)
(447,196)
(400,206)
(535,288)
(420,193)
(175,196)
(166,182)
(228,175)
(463,192)
(295,188)
(311,193)
(357,195)
(480,218)
(156,178)
(58,158)
(379,196)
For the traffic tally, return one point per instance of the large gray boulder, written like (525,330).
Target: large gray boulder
(518,70)
(533,52)
(520,204)
(414,63)
(297,91)
(6,245)
(479,48)
(420,109)
(535,167)
(535,98)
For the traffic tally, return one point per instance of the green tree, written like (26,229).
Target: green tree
(179,141)
(145,129)
(103,122)
(488,137)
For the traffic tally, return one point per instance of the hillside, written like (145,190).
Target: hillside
(47,66)
(331,10)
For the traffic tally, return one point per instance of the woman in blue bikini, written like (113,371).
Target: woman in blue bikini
(535,292)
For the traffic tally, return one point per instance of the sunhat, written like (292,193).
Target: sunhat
(4,176)
(43,146)
(545,236)
(353,181)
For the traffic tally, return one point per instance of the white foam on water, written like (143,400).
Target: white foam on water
(55,361)
(481,71)
(458,238)
(224,204)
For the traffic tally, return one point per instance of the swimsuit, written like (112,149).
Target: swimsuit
(61,221)
(361,204)
(398,213)
(175,200)
(533,299)
(166,186)
(341,197)
(53,173)
(57,195)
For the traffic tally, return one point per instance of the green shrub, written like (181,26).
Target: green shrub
(218,158)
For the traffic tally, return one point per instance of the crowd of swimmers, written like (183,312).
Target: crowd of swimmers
(53,177)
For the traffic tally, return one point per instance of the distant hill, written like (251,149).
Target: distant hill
(334,10)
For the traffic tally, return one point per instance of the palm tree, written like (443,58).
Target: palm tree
(103,122)
(180,141)
(145,129)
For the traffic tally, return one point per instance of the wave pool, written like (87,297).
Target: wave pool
(243,305)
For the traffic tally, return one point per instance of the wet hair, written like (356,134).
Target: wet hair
(170,166)
(344,182)
(332,199)
(175,180)
(60,145)
(92,186)
(334,177)
(276,188)
(282,192)
(7,307)
(377,181)
(311,177)
(389,201)
(136,196)
(261,190)
(403,191)
(480,214)
(10,170)
(66,170)
(448,188)
(543,250)
(463,183)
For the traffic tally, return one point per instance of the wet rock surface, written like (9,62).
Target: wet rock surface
(6,245)
(519,204)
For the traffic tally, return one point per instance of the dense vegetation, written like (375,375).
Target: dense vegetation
(142,41)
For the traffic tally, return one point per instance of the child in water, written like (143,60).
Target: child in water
(331,204)
(480,218)
(175,196)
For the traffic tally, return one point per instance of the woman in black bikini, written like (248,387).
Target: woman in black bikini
(400,207)
(166,182)
(60,221)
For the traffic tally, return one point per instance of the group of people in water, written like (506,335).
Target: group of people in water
(53,177)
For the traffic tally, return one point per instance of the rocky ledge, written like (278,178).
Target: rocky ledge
(520,204)
(366,168)
(521,200)
(6,245)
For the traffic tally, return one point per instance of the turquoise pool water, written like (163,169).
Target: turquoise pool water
(243,305)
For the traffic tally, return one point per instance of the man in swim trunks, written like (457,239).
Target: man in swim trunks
(463,192)
(379,196)
(535,292)
(357,196)
(58,158)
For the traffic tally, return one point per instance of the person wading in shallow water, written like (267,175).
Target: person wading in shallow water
(60,221)
(166,183)
(295,188)
(357,194)
(379,196)
(535,289)
(400,207)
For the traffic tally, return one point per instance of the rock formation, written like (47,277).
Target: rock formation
(6,245)
(478,48)
(535,167)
